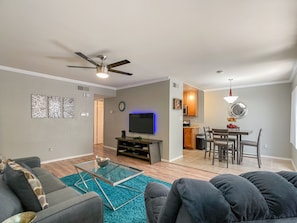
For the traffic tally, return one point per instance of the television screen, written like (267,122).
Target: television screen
(141,123)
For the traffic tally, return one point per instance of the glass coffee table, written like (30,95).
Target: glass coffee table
(114,174)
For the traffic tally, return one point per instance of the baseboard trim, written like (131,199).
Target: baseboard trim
(109,147)
(66,158)
(276,157)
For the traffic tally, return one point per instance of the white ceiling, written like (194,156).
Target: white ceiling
(252,41)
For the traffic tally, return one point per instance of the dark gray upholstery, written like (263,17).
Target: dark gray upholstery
(18,183)
(66,205)
(157,196)
(280,195)
(244,198)
(10,204)
(33,161)
(49,182)
(259,196)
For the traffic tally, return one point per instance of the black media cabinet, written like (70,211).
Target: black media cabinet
(147,149)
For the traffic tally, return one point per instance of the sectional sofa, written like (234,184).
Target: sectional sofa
(25,186)
(258,196)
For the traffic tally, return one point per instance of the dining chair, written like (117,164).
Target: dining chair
(235,139)
(222,146)
(250,143)
(208,139)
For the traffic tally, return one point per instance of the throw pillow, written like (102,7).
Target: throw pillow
(3,163)
(26,186)
(2,166)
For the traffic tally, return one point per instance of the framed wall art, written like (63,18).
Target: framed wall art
(177,103)
(68,107)
(54,107)
(38,106)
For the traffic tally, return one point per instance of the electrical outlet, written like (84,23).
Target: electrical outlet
(265,146)
(50,149)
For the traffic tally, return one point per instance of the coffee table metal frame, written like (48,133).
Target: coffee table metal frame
(108,174)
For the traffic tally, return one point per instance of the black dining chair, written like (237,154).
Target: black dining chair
(255,144)
(208,140)
(222,146)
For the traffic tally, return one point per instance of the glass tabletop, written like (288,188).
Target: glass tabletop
(113,173)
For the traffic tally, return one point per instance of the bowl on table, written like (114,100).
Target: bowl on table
(102,162)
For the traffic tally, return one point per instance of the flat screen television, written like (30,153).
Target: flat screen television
(142,123)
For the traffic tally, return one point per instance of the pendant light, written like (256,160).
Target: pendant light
(230,99)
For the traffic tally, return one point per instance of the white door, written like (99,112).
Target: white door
(98,121)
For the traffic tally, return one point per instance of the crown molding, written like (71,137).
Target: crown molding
(37,74)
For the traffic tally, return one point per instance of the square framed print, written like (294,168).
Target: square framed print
(177,104)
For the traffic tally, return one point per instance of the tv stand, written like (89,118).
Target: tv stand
(146,149)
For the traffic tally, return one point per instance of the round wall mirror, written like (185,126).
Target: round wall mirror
(238,110)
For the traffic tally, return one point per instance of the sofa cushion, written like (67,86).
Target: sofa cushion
(246,201)
(49,182)
(280,195)
(10,204)
(290,176)
(26,186)
(200,206)
(62,195)
(38,171)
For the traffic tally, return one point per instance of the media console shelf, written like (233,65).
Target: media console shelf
(147,149)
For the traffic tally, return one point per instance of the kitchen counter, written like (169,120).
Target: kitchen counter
(192,127)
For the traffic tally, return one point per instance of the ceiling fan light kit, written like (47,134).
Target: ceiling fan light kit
(102,75)
(230,99)
(102,72)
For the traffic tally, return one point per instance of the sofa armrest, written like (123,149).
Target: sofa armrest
(32,161)
(85,208)
(155,196)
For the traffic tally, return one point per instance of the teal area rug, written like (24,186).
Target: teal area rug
(133,212)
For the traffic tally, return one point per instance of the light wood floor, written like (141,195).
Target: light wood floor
(195,159)
(192,165)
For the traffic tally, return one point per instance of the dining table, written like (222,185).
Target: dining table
(238,133)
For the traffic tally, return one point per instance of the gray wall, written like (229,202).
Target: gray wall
(268,108)
(293,149)
(21,135)
(175,122)
(149,98)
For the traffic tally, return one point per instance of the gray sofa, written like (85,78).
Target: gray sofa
(259,196)
(65,204)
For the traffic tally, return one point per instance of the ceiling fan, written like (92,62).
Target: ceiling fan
(101,68)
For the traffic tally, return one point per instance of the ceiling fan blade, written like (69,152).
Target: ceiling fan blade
(120,72)
(117,64)
(86,58)
(81,67)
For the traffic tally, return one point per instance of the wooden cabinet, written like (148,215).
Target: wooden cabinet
(190,98)
(146,149)
(190,137)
